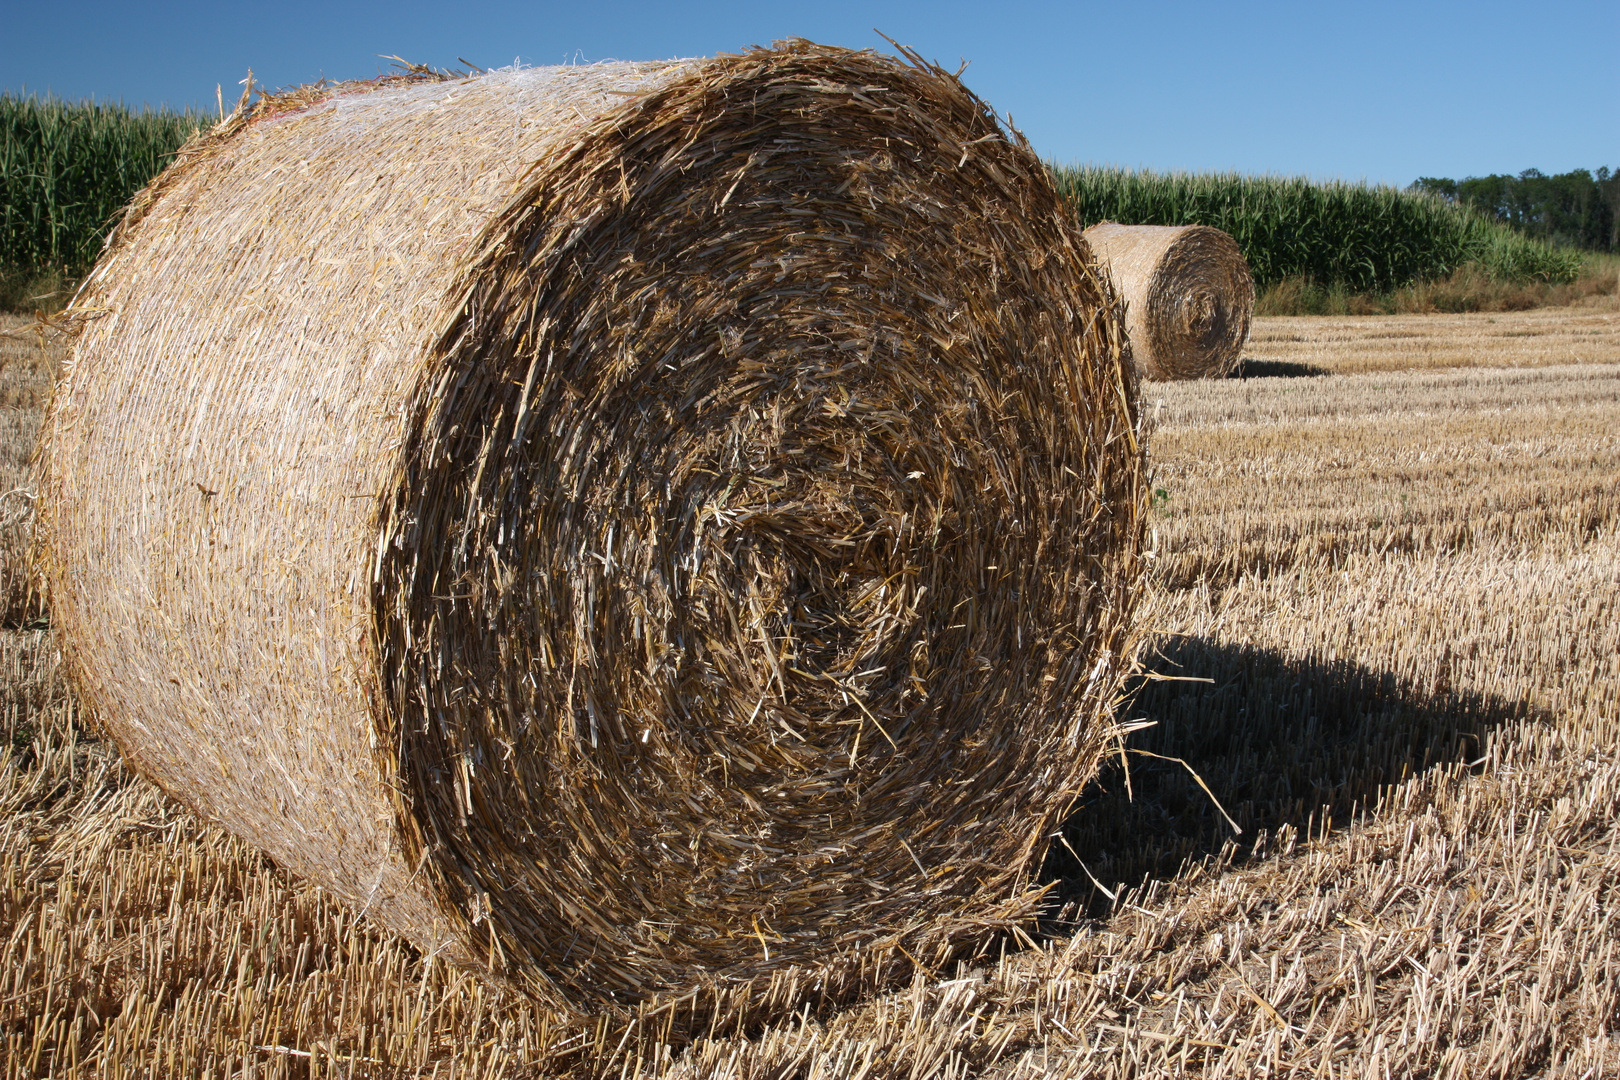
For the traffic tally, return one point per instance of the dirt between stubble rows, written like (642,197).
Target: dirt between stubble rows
(1394,558)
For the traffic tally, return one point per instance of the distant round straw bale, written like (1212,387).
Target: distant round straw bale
(1188,296)
(653,532)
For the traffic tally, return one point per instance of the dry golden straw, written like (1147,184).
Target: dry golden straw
(663,534)
(1188,296)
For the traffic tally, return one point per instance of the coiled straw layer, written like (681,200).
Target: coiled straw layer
(1188,296)
(662,533)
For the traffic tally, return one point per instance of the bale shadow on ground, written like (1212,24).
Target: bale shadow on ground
(1280,740)
(1250,368)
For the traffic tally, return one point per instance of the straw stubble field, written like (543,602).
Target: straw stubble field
(1402,577)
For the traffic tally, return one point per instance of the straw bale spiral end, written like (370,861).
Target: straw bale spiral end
(661,532)
(1188,296)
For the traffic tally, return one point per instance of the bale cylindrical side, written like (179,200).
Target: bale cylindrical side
(652,531)
(1188,296)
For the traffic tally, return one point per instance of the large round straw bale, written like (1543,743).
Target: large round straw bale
(1188,296)
(653,531)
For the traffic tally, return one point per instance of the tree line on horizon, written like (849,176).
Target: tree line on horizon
(1575,209)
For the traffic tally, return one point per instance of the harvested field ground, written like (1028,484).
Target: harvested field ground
(1402,581)
(1352,344)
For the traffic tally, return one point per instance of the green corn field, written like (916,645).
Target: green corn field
(68,168)
(1355,236)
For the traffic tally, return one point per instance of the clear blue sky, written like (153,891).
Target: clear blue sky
(1376,91)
